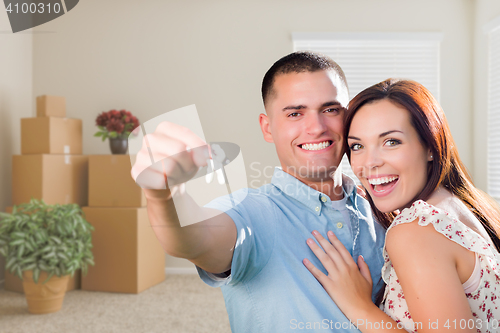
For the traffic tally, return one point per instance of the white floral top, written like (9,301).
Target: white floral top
(484,301)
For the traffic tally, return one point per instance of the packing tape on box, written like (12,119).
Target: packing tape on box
(66,149)
(67,159)
(227,165)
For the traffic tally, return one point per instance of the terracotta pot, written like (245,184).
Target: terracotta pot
(44,298)
(118,145)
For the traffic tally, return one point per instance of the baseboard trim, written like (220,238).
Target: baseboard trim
(180,270)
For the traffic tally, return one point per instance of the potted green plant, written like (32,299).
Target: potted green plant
(117,126)
(45,243)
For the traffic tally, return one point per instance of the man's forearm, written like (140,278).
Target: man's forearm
(204,236)
(185,242)
(207,243)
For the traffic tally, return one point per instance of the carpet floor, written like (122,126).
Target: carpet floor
(180,304)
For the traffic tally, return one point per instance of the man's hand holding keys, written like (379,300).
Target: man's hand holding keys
(169,156)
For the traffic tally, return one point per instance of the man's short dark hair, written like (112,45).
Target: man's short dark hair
(298,62)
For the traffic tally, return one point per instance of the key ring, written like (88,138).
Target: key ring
(215,165)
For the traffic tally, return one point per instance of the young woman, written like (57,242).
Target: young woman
(442,266)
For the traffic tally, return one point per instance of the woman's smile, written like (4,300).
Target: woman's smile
(382,186)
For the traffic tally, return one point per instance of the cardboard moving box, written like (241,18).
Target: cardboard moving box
(110,182)
(51,135)
(59,179)
(50,106)
(14,283)
(128,256)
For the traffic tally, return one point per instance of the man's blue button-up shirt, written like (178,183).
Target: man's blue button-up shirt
(269,289)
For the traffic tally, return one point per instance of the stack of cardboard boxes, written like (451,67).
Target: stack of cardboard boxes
(51,166)
(128,257)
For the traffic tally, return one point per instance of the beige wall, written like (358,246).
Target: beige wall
(16,93)
(155,56)
(486,10)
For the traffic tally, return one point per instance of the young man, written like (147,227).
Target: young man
(254,251)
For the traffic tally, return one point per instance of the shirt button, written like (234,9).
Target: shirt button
(323,199)
(340,225)
(317,209)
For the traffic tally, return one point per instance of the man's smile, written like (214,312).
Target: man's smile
(316,145)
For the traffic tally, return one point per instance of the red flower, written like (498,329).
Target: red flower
(135,121)
(122,122)
(102,119)
(125,113)
(115,114)
(115,125)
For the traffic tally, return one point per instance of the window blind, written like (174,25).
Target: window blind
(369,58)
(494,113)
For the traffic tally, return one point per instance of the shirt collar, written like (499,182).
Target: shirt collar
(311,198)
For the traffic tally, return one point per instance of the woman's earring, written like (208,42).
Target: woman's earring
(432,157)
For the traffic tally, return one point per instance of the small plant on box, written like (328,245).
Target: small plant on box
(115,124)
(51,238)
